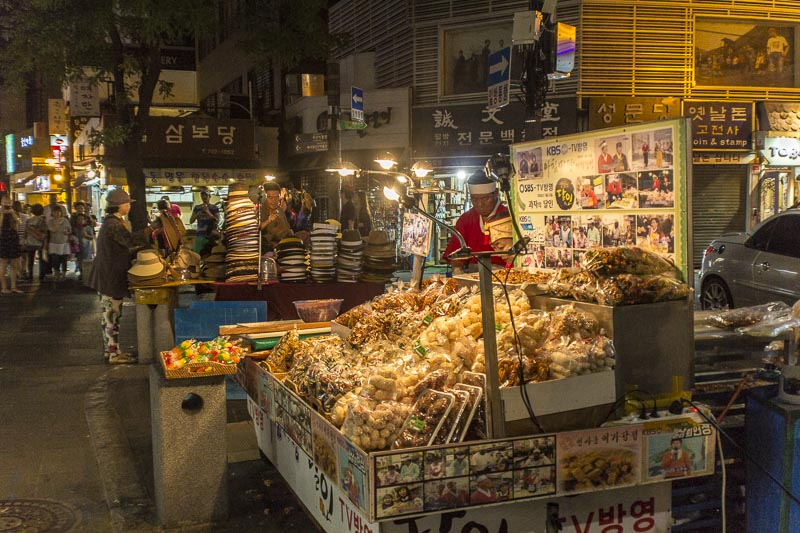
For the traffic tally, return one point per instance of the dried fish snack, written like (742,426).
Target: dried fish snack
(425,419)
(282,356)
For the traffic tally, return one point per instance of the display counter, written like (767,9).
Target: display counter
(279,296)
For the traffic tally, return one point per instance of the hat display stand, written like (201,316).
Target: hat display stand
(241,236)
(291,258)
(350,257)
(323,252)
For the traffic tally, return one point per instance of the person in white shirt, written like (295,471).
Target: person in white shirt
(777,50)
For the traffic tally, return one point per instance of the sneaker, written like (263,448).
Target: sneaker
(121,359)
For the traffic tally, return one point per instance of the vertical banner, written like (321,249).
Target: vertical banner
(613,187)
(84,99)
(56,117)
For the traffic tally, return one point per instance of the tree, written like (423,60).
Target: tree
(121,41)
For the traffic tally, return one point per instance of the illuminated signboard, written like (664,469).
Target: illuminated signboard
(11,156)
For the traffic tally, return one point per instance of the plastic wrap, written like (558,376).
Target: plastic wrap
(382,383)
(473,403)
(772,325)
(627,260)
(426,417)
(455,414)
(568,323)
(477,429)
(373,426)
(745,316)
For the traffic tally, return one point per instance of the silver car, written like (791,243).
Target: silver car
(756,267)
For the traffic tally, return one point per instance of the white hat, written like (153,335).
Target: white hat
(587,182)
(148,264)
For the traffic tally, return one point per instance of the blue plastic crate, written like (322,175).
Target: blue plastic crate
(259,305)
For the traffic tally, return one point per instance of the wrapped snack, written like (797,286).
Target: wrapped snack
(665,289)
(427,416)
(473,403)
(627,260)
(371,425)
(773,324)
(339,410)
(282,356)
(623,289)
(568,323)
(477,429)
(382,384)
(745,316)
(453,416)
(564,279)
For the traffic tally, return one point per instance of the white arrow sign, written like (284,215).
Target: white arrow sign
(357,99)
(499,67)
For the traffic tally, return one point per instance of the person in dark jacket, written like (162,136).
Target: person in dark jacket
(109,275)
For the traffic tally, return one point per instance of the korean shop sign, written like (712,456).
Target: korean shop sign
(197,138)
(608,111)
(720,126)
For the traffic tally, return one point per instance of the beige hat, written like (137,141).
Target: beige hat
(148,264)
(117,197)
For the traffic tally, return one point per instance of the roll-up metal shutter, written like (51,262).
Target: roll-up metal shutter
(719,195)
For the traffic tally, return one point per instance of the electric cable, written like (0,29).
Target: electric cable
(744,452)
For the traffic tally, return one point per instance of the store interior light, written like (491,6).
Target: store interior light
(391,194)
(386,160)
(461,175)
(421,169)
(58,177)
(343,168)
(269,177)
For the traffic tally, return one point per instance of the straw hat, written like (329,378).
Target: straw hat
(148,264)
(378,238)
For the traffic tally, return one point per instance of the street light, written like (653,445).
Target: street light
(343,168)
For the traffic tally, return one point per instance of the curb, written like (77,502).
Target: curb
(129,504)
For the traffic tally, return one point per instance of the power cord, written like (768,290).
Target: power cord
(742,450)
(523,390)
(724,481)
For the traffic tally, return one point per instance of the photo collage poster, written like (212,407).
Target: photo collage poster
(612,187)
(481,473)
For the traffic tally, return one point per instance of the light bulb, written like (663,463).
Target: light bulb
(391,194)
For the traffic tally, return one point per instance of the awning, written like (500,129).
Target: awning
(20,179)
(213,177)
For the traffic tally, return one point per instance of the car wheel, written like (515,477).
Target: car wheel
(715,295)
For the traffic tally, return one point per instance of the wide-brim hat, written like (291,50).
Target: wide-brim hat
(148,264)
(351,235)
(377,237)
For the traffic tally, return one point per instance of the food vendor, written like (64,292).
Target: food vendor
(486,207)
(274,225)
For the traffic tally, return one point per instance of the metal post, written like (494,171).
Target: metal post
(494,403)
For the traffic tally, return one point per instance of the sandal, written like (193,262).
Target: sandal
(5,291)
(16,291)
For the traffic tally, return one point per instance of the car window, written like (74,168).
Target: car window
(760,238)
(785,239)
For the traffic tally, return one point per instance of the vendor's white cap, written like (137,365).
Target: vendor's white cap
(479,183)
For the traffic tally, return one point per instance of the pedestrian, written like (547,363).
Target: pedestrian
(35,238)
(10,250)
(174,209)
(58,249)
(363,215)
(207,217)
(109,274)
(348,214)
(83,233)
(23,215)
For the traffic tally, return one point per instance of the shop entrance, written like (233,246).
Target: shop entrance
(775,192)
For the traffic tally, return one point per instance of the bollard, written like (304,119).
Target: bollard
(155,329)
(189,449)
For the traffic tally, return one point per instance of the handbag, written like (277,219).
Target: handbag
(74,245)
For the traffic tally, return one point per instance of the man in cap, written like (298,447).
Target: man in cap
(605,161)
(486,207)
(116,245)
(274,226)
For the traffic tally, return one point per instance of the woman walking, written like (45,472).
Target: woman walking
(109,274)
(59,230)
(9,246)
(35,238)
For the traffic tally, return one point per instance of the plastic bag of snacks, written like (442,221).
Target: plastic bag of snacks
(371,425)
(745,316)
(627,260)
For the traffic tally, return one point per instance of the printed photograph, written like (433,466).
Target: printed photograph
(558,257)
(621,191)
(656,233)
(434,464)
(671,457)
(495,457)
(618,230)
(558,231)
(416,234)
(663,148)
(589,193)
(351,480)
(446,494)
(399,468)
(613,154)
(491,488)
(456,462)
(395,501)
(539,481)
(539,451)
(743,54)
(529,164)
(535,257)
(641,150)
(656,189)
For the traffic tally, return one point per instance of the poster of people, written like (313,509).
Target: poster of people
(416,234)
(612,187)
(744,53)
(677,449)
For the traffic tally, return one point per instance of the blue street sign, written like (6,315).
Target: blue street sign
(499,80)
(357,104)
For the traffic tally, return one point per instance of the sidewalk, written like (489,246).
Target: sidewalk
(76,441)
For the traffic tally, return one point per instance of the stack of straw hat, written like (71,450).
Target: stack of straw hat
(379,258)
(349,259)
(241,235)
(323,252)
(148,270)
(214,263)
(291,259)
